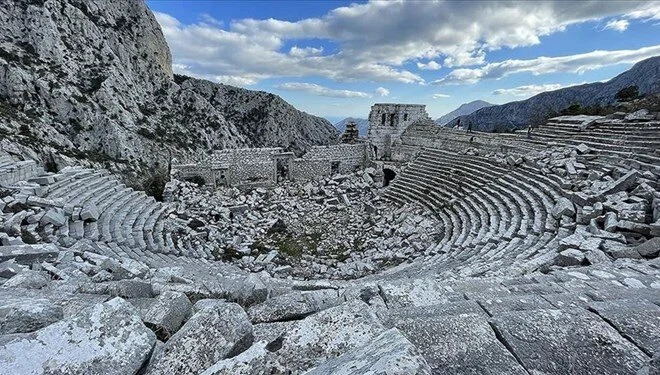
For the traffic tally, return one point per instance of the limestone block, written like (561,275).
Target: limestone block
(563,207)
(569,257)
(108,338)
(567,341)
(28,315)
(650,248)
(89,212)
(166,315)
(294,305)
(214,333)
(55,216)
(389,353)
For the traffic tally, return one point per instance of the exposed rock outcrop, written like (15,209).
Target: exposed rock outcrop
(93,81)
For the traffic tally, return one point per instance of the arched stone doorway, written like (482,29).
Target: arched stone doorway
(388,176)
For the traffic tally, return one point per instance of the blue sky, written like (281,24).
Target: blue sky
(335,59)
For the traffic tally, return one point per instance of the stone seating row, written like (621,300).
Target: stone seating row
(504,216)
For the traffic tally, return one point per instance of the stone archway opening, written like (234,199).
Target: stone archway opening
(388,176)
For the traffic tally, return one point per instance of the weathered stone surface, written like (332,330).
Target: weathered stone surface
(166,315)
(27,279)
(28,315)
(389,353)
(636,320)
(570,341)
(417,292)
(109,338)
(214,333)
(294,305)
(650,248)
(563,207)
(89,212)
(256,360)
(55,216)
(327,334)
(569,257)
(459,344)
(26,254)
(626,181)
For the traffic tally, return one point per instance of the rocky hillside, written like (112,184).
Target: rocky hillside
(464,109)
(362,123)
(93,81)
(535,110)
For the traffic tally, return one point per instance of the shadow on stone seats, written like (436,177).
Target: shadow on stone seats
(388,176)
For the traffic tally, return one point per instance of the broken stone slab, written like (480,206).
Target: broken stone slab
(294,305)
(326,334)
(459,344)
(108,338)
(417,292)
(563,207)
(650,248)
(389,353)
(27,279)
(214,333)
(586,213)
(567,341)
(10,268)
(166,315)
(571,242)
(43,180)
(55,216)
(632,226)
(89,212)
(623,183)
(635,319)
(582,148)
(28,315)
(28,254)
(582,199)
(569,257)
(255,360)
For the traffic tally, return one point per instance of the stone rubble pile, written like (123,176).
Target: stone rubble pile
(336,228)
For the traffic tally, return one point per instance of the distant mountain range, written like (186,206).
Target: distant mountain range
(464,109)
(363,125)
(515,115)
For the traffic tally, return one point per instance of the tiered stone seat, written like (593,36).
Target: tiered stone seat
(496,216)
(12,171)
(629,140)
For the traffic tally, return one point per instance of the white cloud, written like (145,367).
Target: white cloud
(374,40)
(304,52)
(528,90)
(321,90)
(431,65)
(440,96)
(382,91)
(542,65)
(617,25)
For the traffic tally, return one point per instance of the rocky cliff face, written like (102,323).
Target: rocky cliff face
(464,109)
(645,75)
(93,81)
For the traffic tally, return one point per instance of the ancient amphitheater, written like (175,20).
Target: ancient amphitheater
(419,250)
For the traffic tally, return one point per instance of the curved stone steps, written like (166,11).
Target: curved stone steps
(108,213)
(74,185)
(89,195)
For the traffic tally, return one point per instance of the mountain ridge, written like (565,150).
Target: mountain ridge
(515,115)
(462,110)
